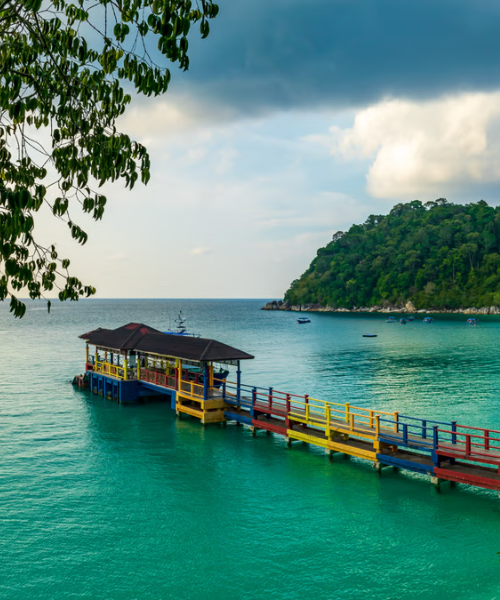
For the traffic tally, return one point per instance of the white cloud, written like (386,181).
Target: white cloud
(200,251)
(425,148)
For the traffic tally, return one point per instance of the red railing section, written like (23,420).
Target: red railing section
(158,378)
(469,443)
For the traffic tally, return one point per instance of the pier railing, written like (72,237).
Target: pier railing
(319,414)
(469,443)
(158,378)
(192,389)
(119,372)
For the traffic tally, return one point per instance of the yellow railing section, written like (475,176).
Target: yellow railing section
(334,416)
(191,388)
(112,370)
(329,416)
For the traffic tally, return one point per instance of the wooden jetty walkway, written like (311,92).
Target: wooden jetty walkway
(136,360)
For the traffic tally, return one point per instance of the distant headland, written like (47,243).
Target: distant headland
(436,257)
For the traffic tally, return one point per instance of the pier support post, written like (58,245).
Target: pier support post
(288,442)
(378,467)
(329,453)
(253,430)
(436,482)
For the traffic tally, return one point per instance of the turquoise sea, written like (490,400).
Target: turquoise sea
(99,500)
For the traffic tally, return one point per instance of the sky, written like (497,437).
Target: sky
(296,120)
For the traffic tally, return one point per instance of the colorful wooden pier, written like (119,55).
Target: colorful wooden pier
(136,360)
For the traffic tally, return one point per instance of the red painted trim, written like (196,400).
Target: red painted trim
(477,458)
(269,427)
(474,480)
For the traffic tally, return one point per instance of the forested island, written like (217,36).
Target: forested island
(433,256)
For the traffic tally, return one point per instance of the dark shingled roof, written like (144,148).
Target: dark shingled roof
(136,336)
(122,338)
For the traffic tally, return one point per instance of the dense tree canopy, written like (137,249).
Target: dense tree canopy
(440,255)
(63,69)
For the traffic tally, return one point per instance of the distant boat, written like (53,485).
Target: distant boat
(402,321)
(391,320)
(302,320)
(182,328)
(369,335)
(472,321)
(428,320)
(410,318)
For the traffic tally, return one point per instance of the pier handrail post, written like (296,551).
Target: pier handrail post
(370,415)
(347,411)
(454,430)
(424,429)
(396,421)
(86,356)
(238,382)
(138,366)
(486,439)
(435,444)
(125,365)
(270,398)
(467,444)
(254,399)
(405,434)
(327,418)
(287,419)
(223,389)
(377,425)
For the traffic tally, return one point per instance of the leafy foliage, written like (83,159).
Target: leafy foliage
(62,66)
(440,255)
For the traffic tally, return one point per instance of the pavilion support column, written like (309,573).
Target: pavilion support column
(86,356)
(178,367)
(206,381)
(238,382)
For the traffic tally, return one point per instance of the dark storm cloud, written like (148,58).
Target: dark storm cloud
(264,55)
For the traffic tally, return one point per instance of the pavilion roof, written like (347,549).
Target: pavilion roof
(137,336)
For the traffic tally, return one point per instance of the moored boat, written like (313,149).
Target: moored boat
(402,321)
(391,320)
(182,328)
(428,320)
(302,320)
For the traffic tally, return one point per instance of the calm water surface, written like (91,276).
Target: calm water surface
(99,500)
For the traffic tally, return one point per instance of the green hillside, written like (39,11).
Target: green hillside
(439,255)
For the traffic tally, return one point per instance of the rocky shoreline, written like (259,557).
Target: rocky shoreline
(389,308)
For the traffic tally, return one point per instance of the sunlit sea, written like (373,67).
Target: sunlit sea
(100,500)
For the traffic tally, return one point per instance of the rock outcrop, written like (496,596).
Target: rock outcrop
(409,307)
